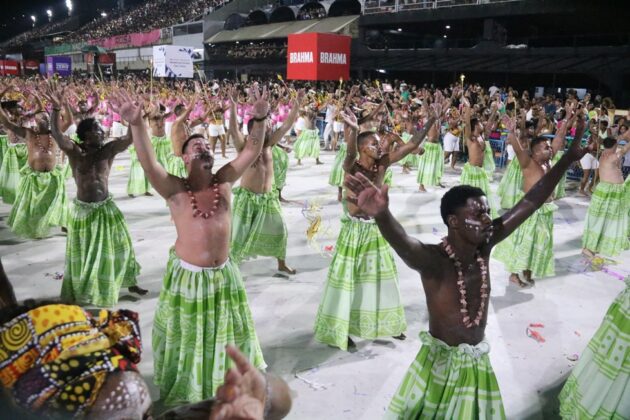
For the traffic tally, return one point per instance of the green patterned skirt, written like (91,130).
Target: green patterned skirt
(389,177)
(361,296)
(4,145)
(511,185)
(99,254)
(40,203)
(138,184)
(337,173)
(257,226)
(477,177)
(530,246)
(431,165)
(280,160)
(199,312)
(607,220)
(163,149)
(412,159)
(560,190)
(488,160)
(15,158)
(176,166)
(307,144)
(447,382)
(599,386)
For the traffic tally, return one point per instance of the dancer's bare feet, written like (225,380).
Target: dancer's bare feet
(400,337)
(583,193)
(299,162)
(340,195)
(588,253)
(137,290)
(351,343)
(64,230)
(405,170)
(318,162)
(148,194)
(441,185)
(421,188)
(514,278)
(282,266)
(131,195)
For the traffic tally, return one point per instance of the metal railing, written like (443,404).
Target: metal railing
(389,6)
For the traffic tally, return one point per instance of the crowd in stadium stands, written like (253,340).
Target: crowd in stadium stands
(47,29)
(150,15)
(251,50)
(311,14)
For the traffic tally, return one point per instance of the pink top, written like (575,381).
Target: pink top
(246,113)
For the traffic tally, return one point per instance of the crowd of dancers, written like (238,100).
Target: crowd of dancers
(56,357)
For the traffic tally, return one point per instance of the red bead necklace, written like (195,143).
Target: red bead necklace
(193,201)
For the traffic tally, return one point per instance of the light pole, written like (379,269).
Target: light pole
(34,19)
(69,6)
(49,13)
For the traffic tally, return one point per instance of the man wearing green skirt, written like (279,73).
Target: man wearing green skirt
(431,162)
(607,217)
(473,173)
(14,158)
(41,202)
(203,305)
(529,250)
(451,377)
(99,252)
(361,296)
(258,227)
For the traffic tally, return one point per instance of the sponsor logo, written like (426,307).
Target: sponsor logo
(301,57)
(62,66)
(332,58)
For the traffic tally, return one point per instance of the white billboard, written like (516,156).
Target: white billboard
(173,61)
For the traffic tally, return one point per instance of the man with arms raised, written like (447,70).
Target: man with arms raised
(361,296)
(202,305)
(452,376)
(257,226)
(99,252)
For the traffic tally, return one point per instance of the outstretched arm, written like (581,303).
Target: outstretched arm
(291,118)
(350,131)
(57,99)
(235,169)
(166,185)
(239,140)
(413,143)
(540,192)
(375,203)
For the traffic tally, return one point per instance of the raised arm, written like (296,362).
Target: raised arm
(233,131)
(291,118)
(114,147)
(540,192)
(10,125)
(375,203)
(350,132)
(522,154)
(56,98)
(165,184)
(232,171)
(413,143)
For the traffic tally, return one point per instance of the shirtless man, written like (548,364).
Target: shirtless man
(202,288)
(473,173)
(99,252)
(41,201)
(16,154)
(455,278)
(530,249)
(361,296)
(181,129)
(161,143)
(258,227)
(607,218)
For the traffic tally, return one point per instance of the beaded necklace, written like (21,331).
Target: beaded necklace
(468,323)
(193,201)
(45,150)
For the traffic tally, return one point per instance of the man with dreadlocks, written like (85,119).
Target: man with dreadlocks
(361,296)
(451,376)
(99,252)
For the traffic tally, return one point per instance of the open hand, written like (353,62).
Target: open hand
(369,198)
(349,119)
(260,100)
(126,107)
(576,151)
(242,395)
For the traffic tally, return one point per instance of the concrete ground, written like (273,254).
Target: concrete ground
(332,384)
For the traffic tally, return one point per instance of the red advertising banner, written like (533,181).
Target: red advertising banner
(130,40)
(9,68)
(318,56)
(31,65)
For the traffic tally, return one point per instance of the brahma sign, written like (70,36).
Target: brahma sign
(315,56)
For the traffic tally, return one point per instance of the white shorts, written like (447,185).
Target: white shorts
(119,130)
(200,129)
(510,151)
(451,142)
(71,131)
(300,124)
(337,127)
(589,162)
(216,130)
(168,125)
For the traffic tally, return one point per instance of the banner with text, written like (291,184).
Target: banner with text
(60,64)
(173,61)
(318,56)
(129,40)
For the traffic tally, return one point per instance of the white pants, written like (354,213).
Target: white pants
(589,162)
(451,142)
(118,130)
(337,127)
(327,134)
(216,130)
